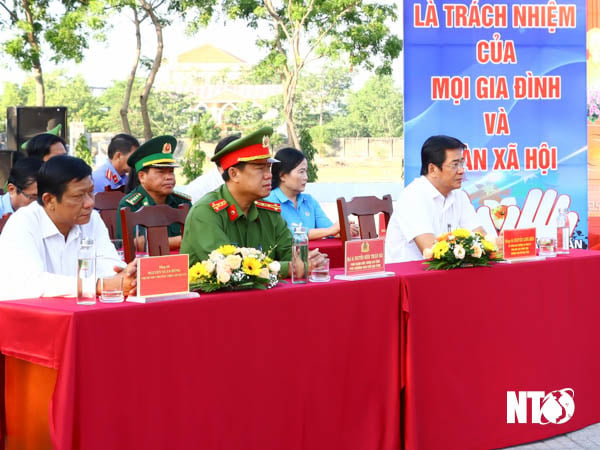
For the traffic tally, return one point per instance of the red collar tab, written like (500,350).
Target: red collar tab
(232,212)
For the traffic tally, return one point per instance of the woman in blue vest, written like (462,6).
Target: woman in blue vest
(290,176)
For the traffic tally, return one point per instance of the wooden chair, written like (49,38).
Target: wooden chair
(107,188)
(107,204)
(156,219)
(3,220)
(365,208)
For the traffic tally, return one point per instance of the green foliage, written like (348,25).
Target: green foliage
(321,95)
(376,110)
(170,113)
(82,150)
(76,95)
(309,151)
(13,95)
(64,30)
(205,130)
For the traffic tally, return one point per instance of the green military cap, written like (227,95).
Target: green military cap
(55,131)
(253,147)
(157,152)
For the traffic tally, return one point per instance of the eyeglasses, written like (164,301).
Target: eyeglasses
(456,165)
(27,196)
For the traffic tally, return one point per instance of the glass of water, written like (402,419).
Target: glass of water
(320,274)
(111,289)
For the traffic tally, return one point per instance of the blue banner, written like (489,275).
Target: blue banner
(509,80)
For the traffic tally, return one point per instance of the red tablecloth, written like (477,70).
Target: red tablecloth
(297,367)
(473,334)
(334,249)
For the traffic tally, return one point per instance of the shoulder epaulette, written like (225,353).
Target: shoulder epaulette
(218,205)
(134,199)
(182,195)
(275,207)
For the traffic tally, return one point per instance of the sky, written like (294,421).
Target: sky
(111,60)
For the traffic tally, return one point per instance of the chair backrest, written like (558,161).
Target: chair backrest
(107,188)
(365,208)
(155,219)
(3,220)
(107,204)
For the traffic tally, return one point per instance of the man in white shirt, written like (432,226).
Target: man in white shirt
(432,204)
(40,242)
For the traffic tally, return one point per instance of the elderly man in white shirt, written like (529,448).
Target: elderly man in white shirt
(432,204)
(40,242)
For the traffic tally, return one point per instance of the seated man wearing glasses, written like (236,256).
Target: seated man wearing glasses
(21,188)
(40,242)
(235,214)
(432,204)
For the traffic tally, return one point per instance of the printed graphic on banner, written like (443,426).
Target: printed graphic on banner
(555,407)
(508,79)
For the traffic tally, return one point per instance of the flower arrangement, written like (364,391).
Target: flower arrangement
(460,248)
(234,268)
(593,105)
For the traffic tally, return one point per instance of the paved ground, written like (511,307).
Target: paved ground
(587,438)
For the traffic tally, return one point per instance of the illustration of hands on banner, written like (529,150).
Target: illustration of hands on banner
(539,209)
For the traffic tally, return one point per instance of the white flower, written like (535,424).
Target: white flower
(477,251)
(234,261)
(215,256)
(223,276)
(264,273)
(209,265)
(275,267)
(459,251)
(428,253)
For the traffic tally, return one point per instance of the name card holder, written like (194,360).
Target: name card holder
(161,278)
(364,259)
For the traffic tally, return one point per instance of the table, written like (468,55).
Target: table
(473,334)
(296,367)
(333,247)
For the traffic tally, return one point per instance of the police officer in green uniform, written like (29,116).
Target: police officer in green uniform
(235,214)
(154,168)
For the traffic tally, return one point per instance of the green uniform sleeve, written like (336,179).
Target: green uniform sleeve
(118,231)
(283,251)
(203,233)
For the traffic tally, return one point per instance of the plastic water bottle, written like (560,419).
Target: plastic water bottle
(562,232)
(299,254)
(86,272)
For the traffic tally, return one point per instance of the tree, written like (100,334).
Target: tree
(82,150)
(303,29)
(376,109)
(76,95)
(14,95)
(321,95)
(309,151)
(205,130)
(168,112)
(34,25)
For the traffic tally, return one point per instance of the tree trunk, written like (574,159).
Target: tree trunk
(40,93)
(289,100)
(131,79)
(155,66)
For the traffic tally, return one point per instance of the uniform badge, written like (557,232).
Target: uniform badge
(166,148)
(218,205)
(134,199)
(275,207)
(108,174)
(232,212)
(307,213)
(115,178)
(265,141)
